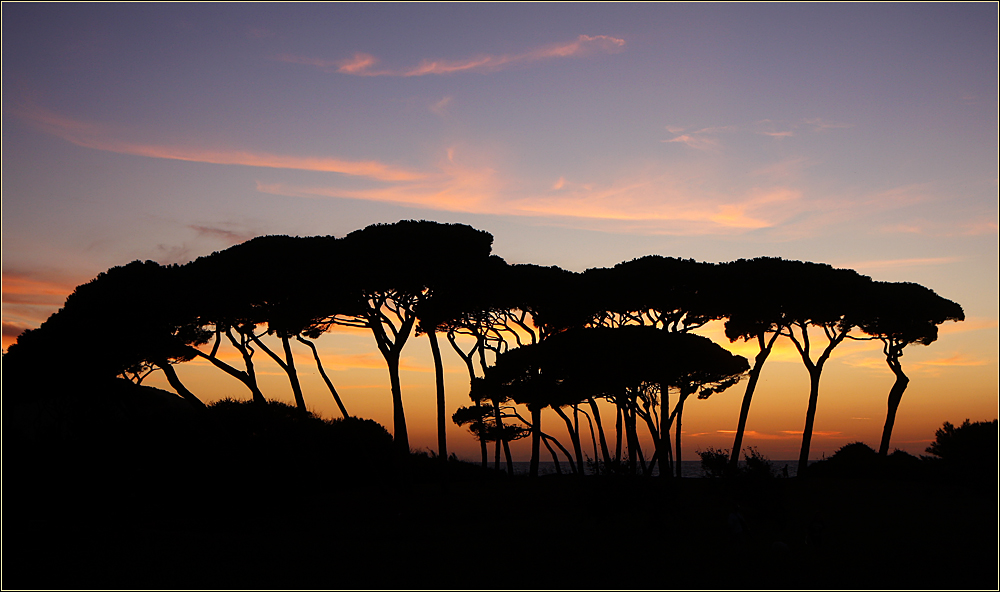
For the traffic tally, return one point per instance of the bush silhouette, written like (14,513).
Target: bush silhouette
(966,451)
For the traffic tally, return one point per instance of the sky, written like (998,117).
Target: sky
(859,135)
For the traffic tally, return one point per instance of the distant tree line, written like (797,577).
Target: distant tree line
(531,337)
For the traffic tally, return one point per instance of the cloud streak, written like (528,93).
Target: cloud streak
(363,64)
(663,202)
(89,135)
(707,138)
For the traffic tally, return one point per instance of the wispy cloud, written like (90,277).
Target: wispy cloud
(969,324)
(95,136)
(363,64)
(932,366)
(698,142)
(441,107)
(707,138)
(227,235)
(781,435)
(28,288)
(672,201)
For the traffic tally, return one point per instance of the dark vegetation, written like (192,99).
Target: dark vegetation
(109,483)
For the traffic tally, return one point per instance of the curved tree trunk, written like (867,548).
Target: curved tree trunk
(176,384)
(400,439)
(508,458)
(326,379)
(467,358)
(439,384)
(758,365)
(600,432)
(293,376)
(258,397)
(288,366)
(814,373)
(895,396)
(574,436)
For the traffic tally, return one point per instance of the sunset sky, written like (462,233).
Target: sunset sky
(863,136)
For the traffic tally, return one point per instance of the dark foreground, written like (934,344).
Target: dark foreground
(129,488)
(81,529)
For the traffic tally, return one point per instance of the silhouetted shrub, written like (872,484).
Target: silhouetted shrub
(714,461)
(968,451)
(278,438)
(853,460)
(757,465)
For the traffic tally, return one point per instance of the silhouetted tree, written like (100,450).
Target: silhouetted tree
(471,305)
(145,322)
(757,309)
(899,314)
(396,266)
(828,298)
(968,451)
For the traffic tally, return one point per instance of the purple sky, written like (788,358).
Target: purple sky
(863,136)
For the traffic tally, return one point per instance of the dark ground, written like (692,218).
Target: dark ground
(115,531)
(127,488)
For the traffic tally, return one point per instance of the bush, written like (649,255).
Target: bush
(757,465)
(714,462)
(966,451)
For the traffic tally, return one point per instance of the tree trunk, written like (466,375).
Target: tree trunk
(814,373)
(175,382)
(618,433)
(895,396)
(258,397)
(439,383)
(677,436)
(536,437)
(293,376)
(574,437)
(734,456)
(600,432)
(400,439)
(666,453)
(467,358)
(632,438)
(326,379)
(251,376)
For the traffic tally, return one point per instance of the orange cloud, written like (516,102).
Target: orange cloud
(94,136)
(782,435)
(954,360)
(696,142)
(362,64)
(652,200)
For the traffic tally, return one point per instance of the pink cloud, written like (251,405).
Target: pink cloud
(362,64)
(695,141)
(94,136)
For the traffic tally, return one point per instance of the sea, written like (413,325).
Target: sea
(689,468)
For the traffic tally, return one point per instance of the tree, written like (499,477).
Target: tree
(473,305)
(969,449)
(757,309)
(133,316)
(899,314)
(395,267)
(820,296)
